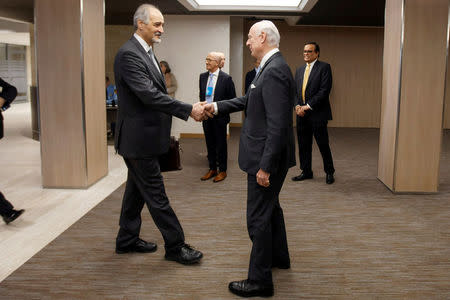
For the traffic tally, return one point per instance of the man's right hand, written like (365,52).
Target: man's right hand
(198,112)
(2,102)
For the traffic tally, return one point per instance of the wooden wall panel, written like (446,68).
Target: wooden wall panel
(422,95)
(59,78)
(94,89)
(355,56)
(390,92)
(447,99)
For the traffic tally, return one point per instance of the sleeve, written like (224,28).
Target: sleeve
(173,84)
(8,93)
(324,88)
(277,100)
(136,76)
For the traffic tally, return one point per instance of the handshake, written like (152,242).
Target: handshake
(202,111)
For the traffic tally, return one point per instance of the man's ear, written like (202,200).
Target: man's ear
(263,37)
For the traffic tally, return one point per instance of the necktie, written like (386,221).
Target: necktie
(305,81)
(152,56)
(209,89)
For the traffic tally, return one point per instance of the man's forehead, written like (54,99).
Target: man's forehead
(156,16)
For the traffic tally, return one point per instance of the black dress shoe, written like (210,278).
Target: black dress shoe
(249,288)
(140,246)
(14,215)
(185,255)
(303,176)
(330,178)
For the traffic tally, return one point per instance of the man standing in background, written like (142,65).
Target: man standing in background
(214,86)
(313,111)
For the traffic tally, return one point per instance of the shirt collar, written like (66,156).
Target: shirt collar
(267,56)
(312,64)
(142,42)
(216,73)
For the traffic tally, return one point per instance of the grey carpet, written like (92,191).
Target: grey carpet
(350,240)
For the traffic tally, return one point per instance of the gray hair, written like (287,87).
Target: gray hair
(142,13)
(273,36)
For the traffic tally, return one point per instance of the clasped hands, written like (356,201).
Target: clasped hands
(300,110)
(202,111)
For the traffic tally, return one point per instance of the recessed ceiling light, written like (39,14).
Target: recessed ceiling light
(300,6)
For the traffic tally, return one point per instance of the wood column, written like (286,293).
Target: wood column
(414,73)
(70,43)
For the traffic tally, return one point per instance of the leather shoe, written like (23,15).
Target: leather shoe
(185,255)
(210,174)
(330,178)
(303,176)
(14,215)
(140,246)
(221,176)
(250,288)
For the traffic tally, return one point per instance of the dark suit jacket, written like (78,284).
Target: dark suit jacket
(267,138)
(144,118)
(8,93)
(249,78)
(317,91)
(224,89)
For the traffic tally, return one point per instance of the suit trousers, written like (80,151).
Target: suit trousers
(6,208)
(215,130)
(145,185)
(305,131)
(266,228)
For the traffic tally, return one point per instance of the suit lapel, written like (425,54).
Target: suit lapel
(156,74)
(313,73)
(218,84)
(265,65)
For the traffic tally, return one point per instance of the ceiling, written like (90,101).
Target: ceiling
(325,12)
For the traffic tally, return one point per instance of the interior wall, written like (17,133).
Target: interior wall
(186,42)
(236,61)
(356,59)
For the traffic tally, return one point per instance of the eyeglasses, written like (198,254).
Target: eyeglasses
(308,51)
(210,60)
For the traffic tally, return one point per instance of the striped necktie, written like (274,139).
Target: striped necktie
(209,88)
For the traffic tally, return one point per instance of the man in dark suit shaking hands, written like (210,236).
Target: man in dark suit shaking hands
(142,134)
(216,85)
(266,152)
(313,111)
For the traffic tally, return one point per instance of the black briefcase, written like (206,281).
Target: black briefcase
(171,161)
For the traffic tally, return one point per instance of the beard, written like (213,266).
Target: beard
(156,39)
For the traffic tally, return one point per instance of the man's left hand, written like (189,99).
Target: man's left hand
(262,177)
(2,102)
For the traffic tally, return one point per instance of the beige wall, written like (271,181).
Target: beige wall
(185,45)
(355,55)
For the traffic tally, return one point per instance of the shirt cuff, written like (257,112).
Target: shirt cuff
(309,106)
(216,110)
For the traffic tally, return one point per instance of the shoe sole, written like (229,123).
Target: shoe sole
(190,262)
(248,295)
(132,251)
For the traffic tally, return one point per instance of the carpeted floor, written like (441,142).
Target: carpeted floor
(350,240)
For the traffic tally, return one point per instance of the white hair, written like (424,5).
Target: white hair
(142,13)
(273,36)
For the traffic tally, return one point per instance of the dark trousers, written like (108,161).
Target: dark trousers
(6,207)
(266,228)
(305,131)
(216,143)
(145,185)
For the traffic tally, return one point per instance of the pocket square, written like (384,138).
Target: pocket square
(252,86)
